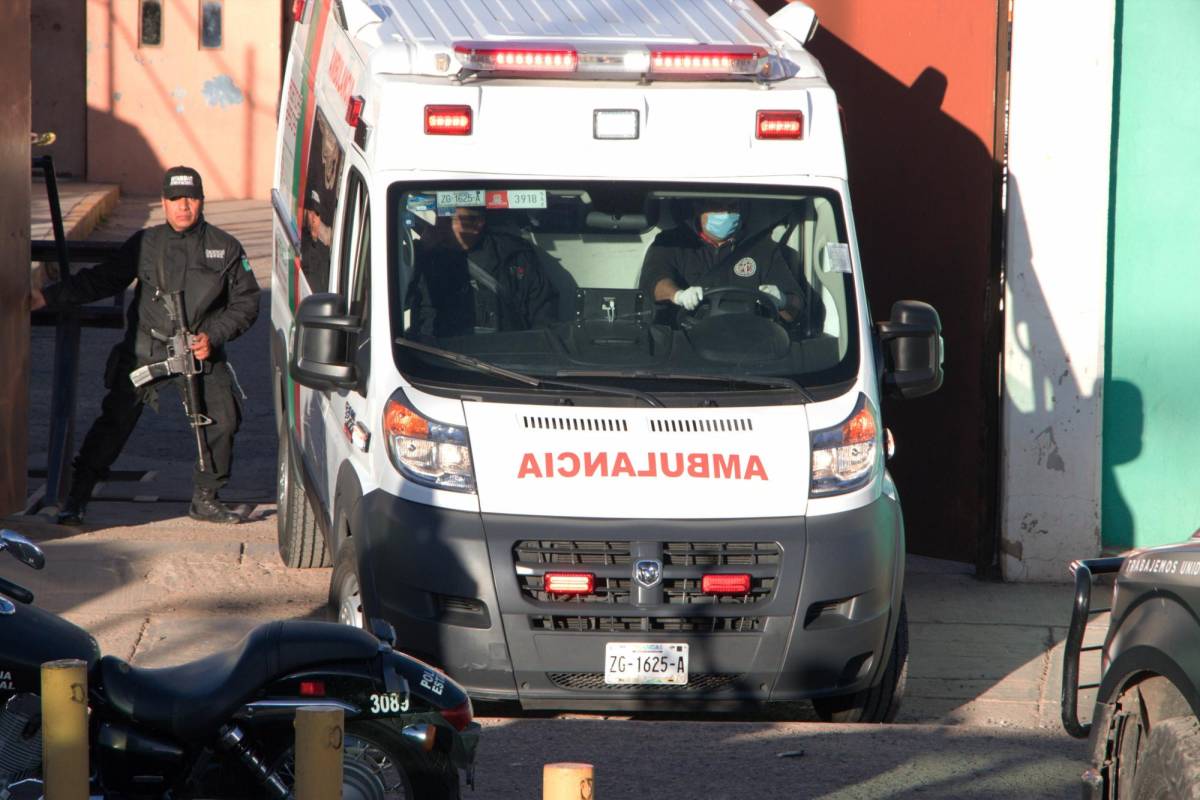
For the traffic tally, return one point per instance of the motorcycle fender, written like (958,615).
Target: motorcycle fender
(361,689)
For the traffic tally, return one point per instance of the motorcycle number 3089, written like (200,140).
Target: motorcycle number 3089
(390,703)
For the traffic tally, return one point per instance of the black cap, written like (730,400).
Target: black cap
(182,182)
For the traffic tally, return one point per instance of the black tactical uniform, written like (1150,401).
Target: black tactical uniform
(220,297)
(687,259)
(498,285)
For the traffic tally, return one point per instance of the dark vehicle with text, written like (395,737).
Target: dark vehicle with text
(1144,733)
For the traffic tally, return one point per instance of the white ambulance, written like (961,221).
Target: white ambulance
(577,384)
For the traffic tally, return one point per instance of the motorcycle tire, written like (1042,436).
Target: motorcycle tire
(379,764)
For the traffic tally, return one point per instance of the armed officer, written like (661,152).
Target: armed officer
(220,300)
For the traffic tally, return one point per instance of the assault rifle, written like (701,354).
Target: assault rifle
(179,361)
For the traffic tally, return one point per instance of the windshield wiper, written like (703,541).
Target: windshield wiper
(767,382)
(521,377)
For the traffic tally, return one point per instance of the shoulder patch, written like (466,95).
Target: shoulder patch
(246,264)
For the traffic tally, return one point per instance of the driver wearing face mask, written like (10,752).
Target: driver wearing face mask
(709,253)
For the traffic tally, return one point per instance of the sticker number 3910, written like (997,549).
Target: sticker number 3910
(390,703)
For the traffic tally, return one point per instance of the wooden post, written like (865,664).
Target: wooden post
(567,782)
(319,733)
(65,730)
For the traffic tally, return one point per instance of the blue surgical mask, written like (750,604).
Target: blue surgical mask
(722,224)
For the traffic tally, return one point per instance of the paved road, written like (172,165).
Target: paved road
(157,588)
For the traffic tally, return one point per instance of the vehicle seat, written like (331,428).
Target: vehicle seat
(193,700)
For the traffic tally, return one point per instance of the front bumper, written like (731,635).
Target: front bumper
(449,583)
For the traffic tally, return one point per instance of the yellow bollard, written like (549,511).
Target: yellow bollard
(319,753)
(65,730)
(567,782)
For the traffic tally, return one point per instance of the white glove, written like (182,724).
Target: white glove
(773,292)
(689,298)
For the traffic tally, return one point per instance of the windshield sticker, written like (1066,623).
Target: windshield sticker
(421,202)
(837,257)
(517,198)
(448,201)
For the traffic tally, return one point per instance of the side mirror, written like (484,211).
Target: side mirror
(22,549)
(323,341)
(796,19)
(912,349)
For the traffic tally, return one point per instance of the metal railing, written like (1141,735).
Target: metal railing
(1082,611)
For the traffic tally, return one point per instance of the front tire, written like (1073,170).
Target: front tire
(300,542)
(879,703)
(1169,764)
(345,589)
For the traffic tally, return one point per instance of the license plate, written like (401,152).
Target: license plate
(645,663)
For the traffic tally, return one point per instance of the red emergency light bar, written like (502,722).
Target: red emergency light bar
(448,120)
(516,57)
(779,125)
(723,60)
(725,584)
(569,582)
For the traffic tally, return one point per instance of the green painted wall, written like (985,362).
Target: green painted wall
(1151,477)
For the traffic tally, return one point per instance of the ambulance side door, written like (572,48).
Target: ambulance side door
(348,435)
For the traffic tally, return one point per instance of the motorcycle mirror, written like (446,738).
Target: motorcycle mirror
(22,549)
(383,631)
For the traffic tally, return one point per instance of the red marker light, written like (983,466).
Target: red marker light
(312,688)
(448,120)
(725,584)
(354,111)
(779,125)
(569,582)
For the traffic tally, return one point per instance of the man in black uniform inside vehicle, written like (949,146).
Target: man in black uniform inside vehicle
(708,253)
(220,298)
(473,280)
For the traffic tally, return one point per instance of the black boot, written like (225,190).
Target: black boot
(77,499)
(207,508)
(72,512)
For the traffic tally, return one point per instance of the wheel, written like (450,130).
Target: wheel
(879,703)
(379,764)
(1169,767)
(300,541)
(345,593)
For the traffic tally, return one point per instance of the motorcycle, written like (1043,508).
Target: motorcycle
(222,726)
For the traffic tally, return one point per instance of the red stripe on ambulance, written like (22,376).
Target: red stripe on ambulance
(714,466)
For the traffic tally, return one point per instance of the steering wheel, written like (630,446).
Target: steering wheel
(725,300)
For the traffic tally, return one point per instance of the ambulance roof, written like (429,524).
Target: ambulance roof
(408,36)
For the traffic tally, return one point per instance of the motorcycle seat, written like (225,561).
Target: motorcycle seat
(192,701)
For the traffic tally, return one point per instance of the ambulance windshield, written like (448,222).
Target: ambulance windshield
(659,286)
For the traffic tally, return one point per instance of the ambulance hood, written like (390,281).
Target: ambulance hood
(640,463)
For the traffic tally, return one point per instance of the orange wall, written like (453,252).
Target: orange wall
(153,107)
(917,82)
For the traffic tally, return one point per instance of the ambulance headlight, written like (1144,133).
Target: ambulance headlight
(847,456)
(427,452)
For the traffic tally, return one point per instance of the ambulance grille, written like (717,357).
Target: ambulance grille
(743,425)
(676,591)
(720,554)
(594,681)
(575,624)
(572,552)
(595,424)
